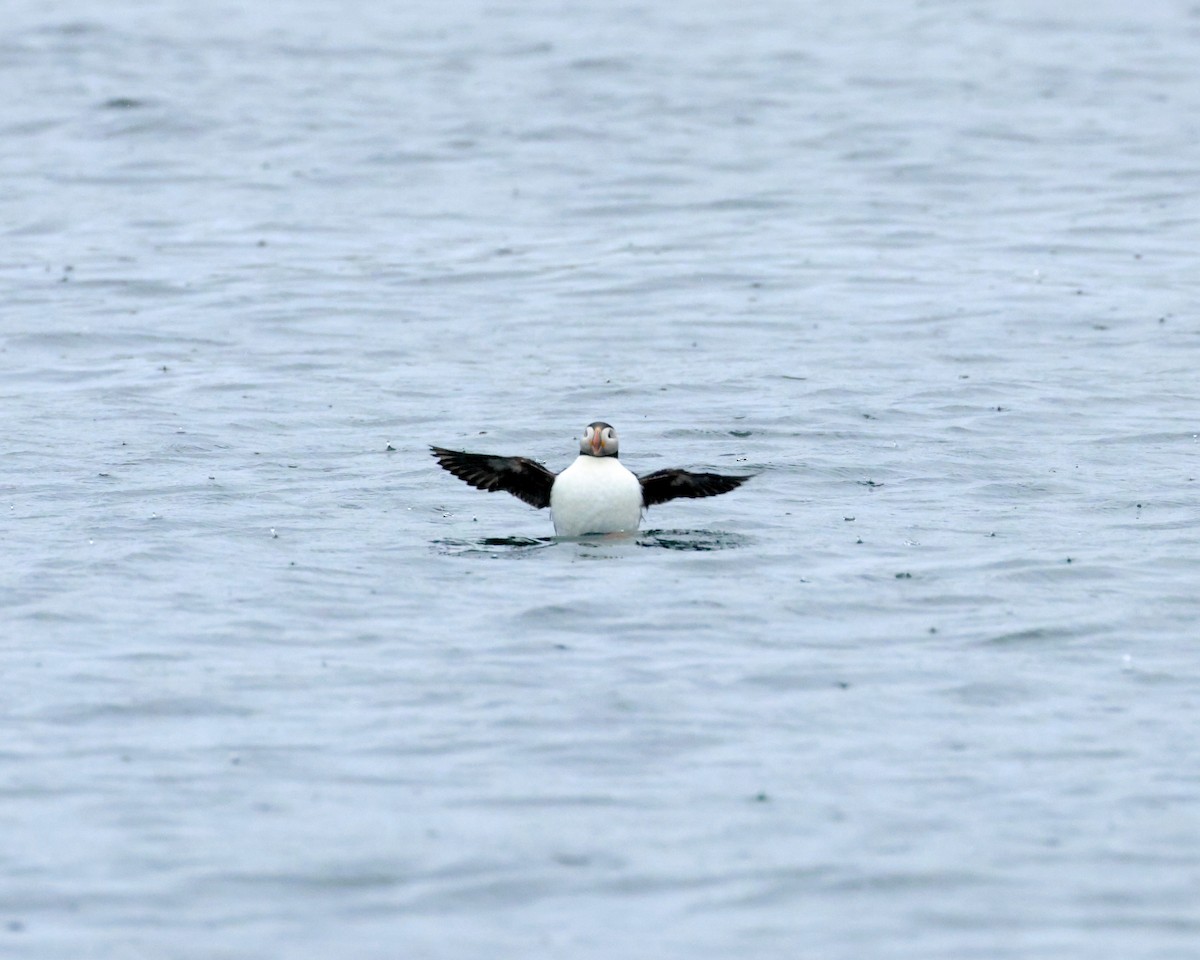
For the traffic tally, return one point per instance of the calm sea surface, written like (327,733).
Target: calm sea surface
(275,686)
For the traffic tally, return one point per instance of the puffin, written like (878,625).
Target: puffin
(595,495)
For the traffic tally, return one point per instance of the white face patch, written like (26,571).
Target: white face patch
(598,440)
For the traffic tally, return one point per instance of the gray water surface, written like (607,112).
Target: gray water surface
(276,686)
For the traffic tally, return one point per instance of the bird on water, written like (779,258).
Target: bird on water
(595,494)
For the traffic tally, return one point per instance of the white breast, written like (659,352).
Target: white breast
(595,495)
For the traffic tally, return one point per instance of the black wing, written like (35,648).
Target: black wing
(664,485)
(520,476)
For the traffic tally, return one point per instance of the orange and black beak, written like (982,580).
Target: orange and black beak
(597,441)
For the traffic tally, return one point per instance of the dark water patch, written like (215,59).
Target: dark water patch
(791,681)
(335,877)
(158,708)
(694,540)
(491,546)
(559,133)
(1047,635)
(534,800)
(123,103)
(689,540)
(988,694)
(1035,635)
(601,64)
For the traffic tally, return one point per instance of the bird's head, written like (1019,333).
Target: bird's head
(598,440)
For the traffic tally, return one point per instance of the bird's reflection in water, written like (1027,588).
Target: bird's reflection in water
(691,540)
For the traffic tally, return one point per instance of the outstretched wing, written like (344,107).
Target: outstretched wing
(520,476)
(664,485)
